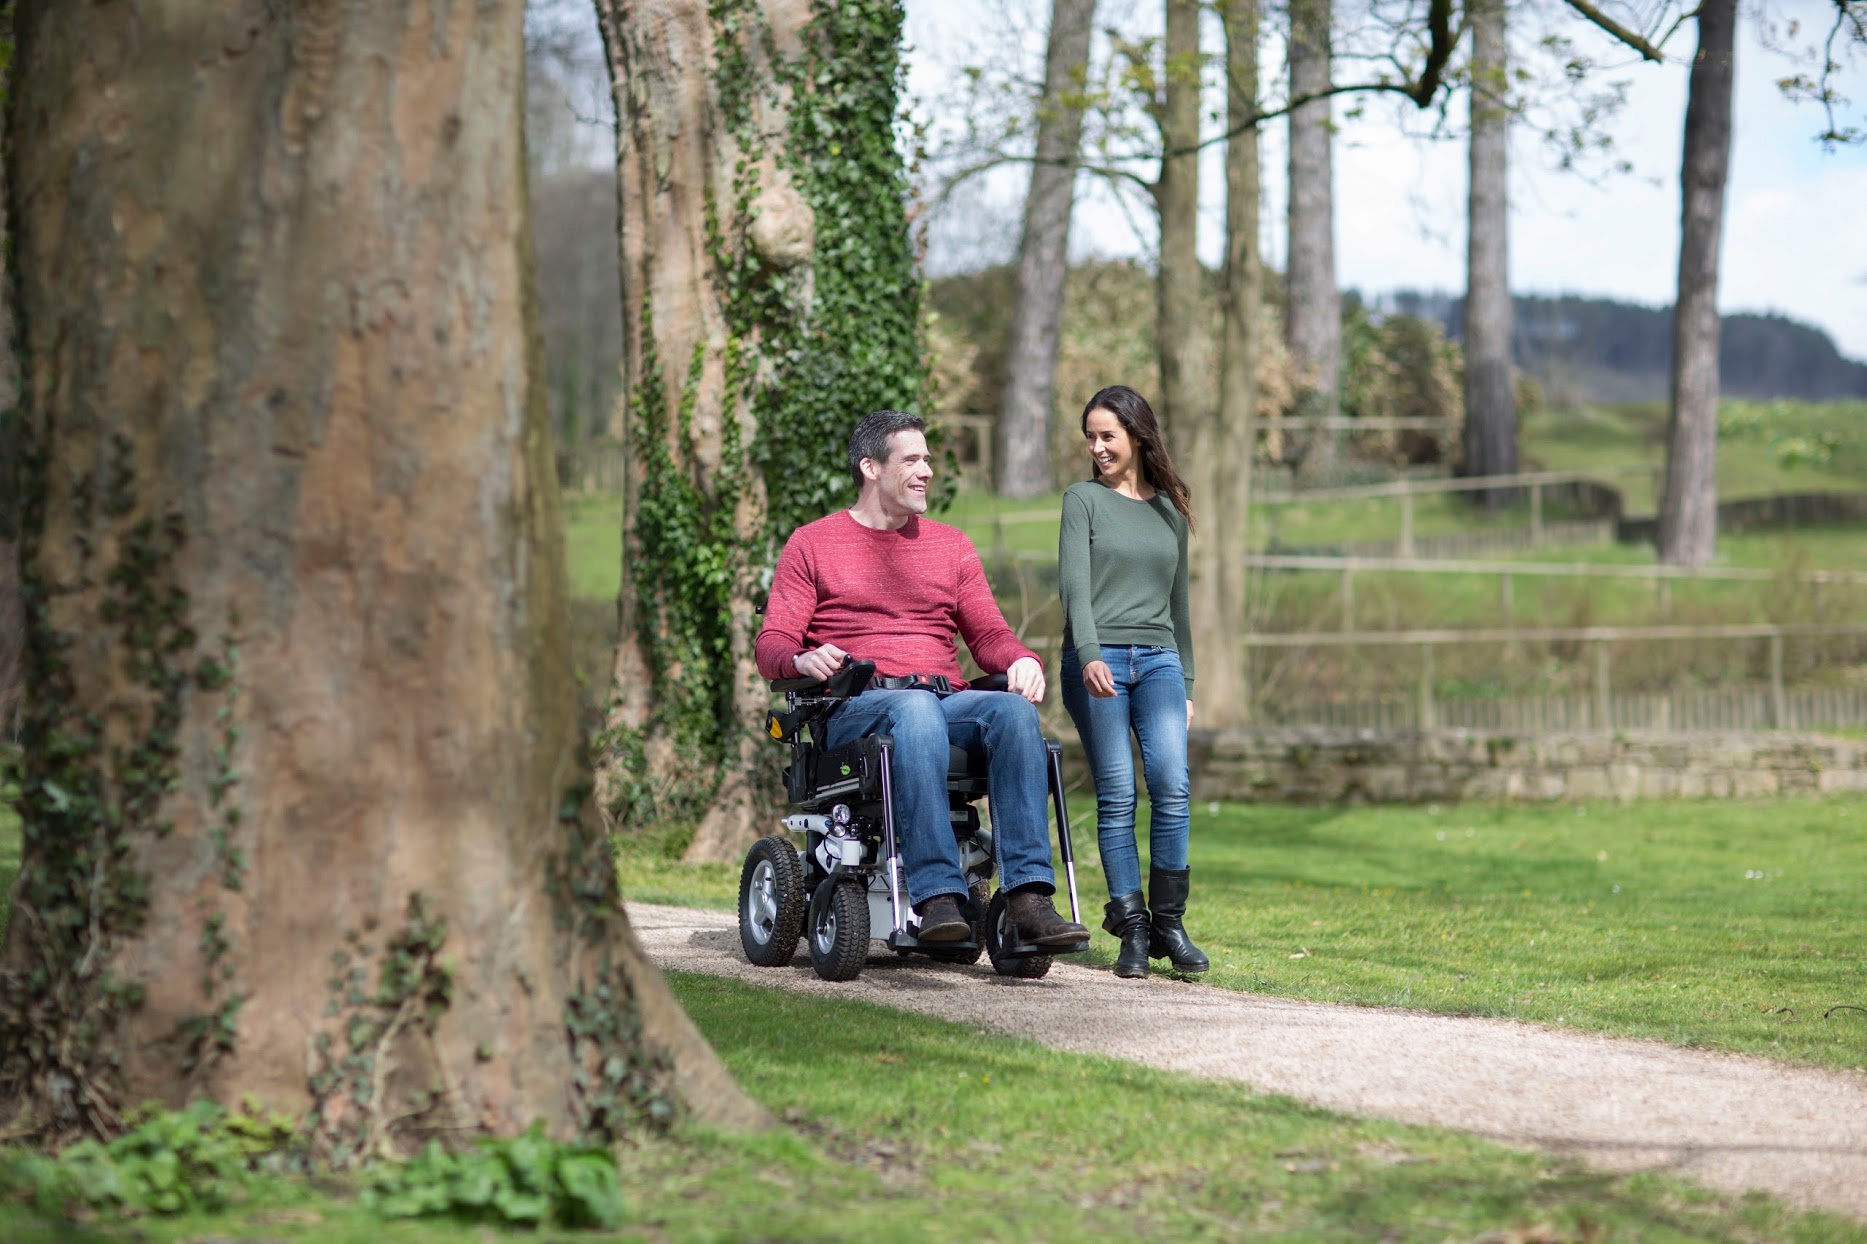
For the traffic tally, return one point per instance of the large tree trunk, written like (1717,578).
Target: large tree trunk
(1223,694)
(1689,507)
(752,345)
(1313,309)
(303,799)
(1022,450)
(676,158)
(1490,403)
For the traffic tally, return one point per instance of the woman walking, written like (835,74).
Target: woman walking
(1128,666)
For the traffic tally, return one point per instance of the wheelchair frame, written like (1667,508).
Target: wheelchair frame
(847,878)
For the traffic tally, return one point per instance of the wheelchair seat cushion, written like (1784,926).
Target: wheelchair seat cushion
(961,764)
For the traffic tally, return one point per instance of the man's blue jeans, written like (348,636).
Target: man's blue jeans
(998,725)
(1150,699)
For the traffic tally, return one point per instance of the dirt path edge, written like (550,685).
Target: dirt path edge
(1729,1122)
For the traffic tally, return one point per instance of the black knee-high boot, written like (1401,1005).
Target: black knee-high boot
(1126,918)
(1167,889)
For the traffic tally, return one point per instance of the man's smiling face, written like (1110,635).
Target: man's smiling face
(901,482)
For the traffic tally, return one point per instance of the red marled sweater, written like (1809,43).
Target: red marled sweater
(891,597)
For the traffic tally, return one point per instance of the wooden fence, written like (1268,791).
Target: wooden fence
(1661,577)
(1773,705)
(1699,711)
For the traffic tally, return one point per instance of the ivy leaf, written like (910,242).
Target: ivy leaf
(592,1194)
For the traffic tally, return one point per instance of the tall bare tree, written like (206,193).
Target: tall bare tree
(1688,532)
(1021,454)
(1490,400)
(303,789)
(1221,658)
(1312,306)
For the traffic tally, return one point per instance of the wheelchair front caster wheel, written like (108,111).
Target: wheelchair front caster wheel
(1001,942)
(839,929)
(771,902)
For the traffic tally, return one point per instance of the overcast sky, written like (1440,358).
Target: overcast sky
(1795,237)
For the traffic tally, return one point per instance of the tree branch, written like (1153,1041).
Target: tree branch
(1622,34)
(1438,53)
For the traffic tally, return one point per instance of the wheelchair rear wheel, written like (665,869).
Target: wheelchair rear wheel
(839,929)
(1000,937)
(771,902)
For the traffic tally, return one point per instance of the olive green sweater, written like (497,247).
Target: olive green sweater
(1122,566)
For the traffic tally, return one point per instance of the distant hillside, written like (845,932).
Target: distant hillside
(1597,349)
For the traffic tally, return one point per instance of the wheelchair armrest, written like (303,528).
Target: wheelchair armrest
(849,681)
(991,682)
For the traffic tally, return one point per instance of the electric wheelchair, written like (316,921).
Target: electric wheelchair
(845,885)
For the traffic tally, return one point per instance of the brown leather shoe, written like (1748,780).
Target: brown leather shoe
(941,920)
(1038,921)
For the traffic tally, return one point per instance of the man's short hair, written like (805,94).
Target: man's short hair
(870,439)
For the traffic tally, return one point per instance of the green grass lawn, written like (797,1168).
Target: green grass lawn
(593,545)
(1749,465)
(902,1127)
(1725,925)
(1722,924)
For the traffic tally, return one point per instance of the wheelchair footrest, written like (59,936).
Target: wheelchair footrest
(1030,950)
(907,941)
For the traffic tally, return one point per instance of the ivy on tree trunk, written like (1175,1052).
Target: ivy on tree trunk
(771,300)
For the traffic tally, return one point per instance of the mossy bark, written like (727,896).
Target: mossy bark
(304,795)
(682,176)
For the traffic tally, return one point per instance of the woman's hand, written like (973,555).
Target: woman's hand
(1099,679)
(1189,714)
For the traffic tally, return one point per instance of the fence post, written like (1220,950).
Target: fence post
(1665,589)
(1779,705)
(1536,515)
(1246,693)
(1429,718)
(1406,525)
(1604,705)
(1348,600)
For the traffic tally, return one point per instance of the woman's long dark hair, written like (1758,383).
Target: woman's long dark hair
(1137,419)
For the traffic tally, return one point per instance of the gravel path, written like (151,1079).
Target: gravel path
(1728,1122)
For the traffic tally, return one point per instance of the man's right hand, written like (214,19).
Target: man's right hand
(821,663)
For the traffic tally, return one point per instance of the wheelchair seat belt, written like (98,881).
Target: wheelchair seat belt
(939,684)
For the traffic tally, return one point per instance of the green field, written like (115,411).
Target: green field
(1763,449)
(1722,924)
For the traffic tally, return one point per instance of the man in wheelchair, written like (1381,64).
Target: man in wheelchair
(881,583)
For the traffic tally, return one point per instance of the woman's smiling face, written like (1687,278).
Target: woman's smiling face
(1109,445)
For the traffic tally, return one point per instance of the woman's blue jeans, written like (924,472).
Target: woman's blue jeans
(1150,701)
